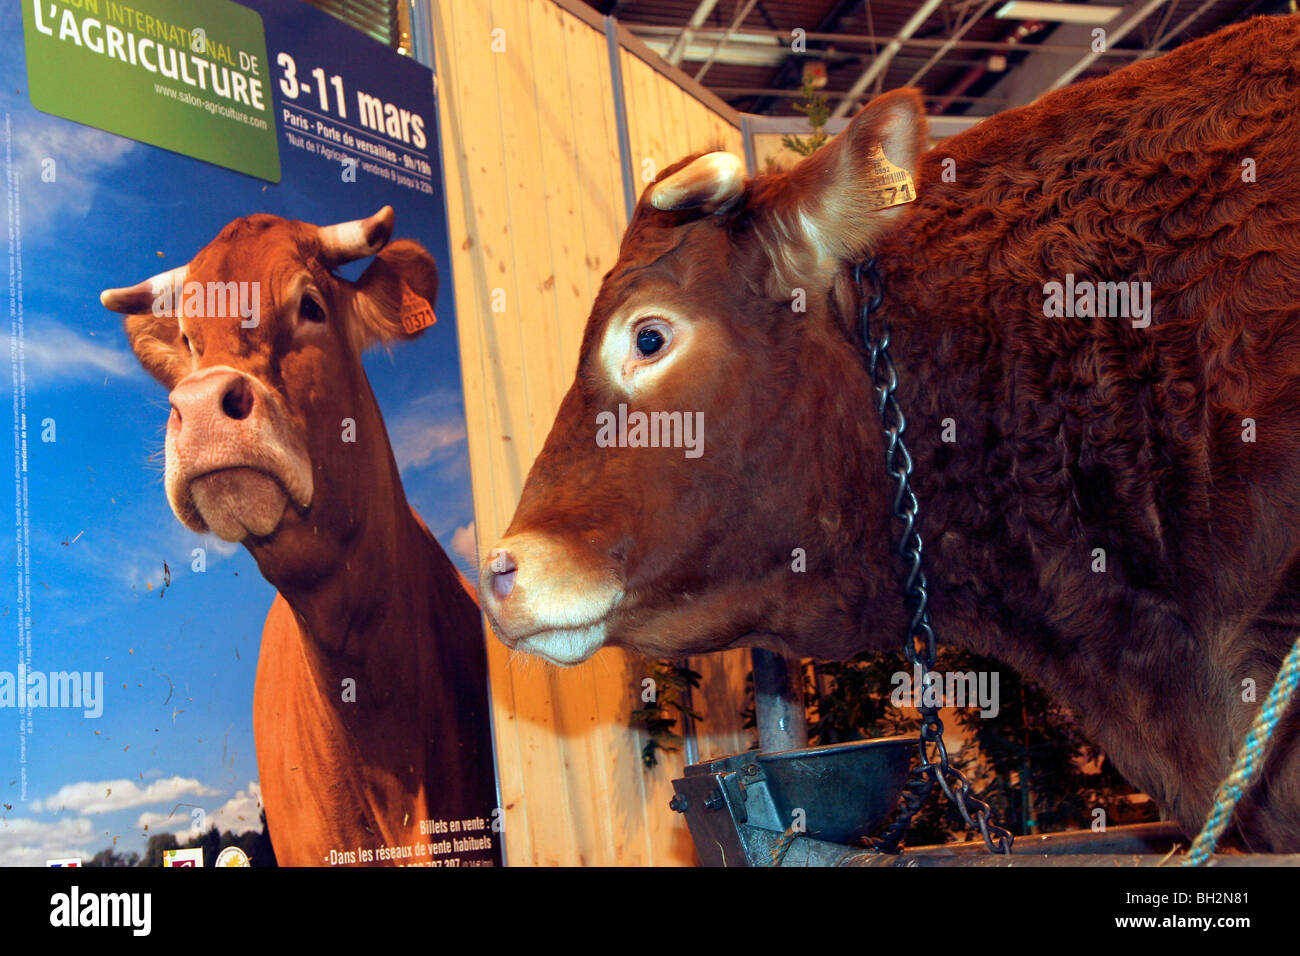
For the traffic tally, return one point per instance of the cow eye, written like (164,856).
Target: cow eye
(311,310)
(652,338)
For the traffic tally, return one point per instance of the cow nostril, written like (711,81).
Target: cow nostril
(237,403)
(503,569)
(503,584)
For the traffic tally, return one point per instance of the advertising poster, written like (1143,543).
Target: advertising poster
(218,215)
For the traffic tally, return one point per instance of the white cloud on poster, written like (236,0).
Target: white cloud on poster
(240,813)
(106,796)
(431,428)
(81,155)
(56,355)
(28,842)
(464,544)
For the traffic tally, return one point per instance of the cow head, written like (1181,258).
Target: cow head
(727,331)
(274,437)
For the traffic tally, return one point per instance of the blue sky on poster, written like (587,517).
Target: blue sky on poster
(179,662)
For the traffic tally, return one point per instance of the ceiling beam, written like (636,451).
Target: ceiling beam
(683,40)
(952,41)
(735,53)
(1115,36)
(645,30)
(1183,24)
(939,126)
(722,40)
(1047,62)
(726,91)
(792,69)
(881,62)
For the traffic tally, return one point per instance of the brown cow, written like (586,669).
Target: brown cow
(256,452)
(1172,444)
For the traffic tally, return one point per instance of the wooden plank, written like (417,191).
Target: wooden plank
(671,74)
(560,825)
(597,164)
(581,11)
(672,119)
(645,833)
(526,228)
(582,729)
(704,127)
(645,132)
(728,135)
(466,75)
(562,188)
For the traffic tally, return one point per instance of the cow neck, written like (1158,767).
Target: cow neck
(364,613)
(1142,715)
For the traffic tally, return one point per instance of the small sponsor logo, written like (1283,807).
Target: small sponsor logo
(69,861)
(232,856)
(193,857)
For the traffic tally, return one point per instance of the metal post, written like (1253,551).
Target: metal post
(620,115)
(690,743)
(778,702)
(747,137)
(421,34)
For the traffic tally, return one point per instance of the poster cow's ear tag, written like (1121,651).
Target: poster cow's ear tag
(417,313)
(887,185)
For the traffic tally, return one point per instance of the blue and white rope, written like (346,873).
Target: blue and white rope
(1250,760)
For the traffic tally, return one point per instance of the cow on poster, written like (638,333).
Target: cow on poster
(372,715)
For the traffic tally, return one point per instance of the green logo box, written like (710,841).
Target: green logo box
(190,76)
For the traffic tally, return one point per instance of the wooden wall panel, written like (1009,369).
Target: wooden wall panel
(534,185)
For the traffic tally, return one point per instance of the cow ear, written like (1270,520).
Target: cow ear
(152,330)
(156,341)
(394,296)
(843,198)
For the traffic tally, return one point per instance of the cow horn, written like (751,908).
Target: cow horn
(139,299)
(348,241)
(710,180)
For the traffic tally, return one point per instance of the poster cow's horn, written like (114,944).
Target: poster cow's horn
(348,241)
(710,180)
(140,298)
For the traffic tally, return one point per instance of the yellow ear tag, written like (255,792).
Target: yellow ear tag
(416,312)
(887,185)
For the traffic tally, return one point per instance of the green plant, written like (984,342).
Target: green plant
(666,701)
(818,110)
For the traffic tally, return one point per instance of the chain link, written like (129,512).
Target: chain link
(921,646)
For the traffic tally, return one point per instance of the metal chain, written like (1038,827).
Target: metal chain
(921,646)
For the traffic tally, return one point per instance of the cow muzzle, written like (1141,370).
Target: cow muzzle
(234,461)
(543,598)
